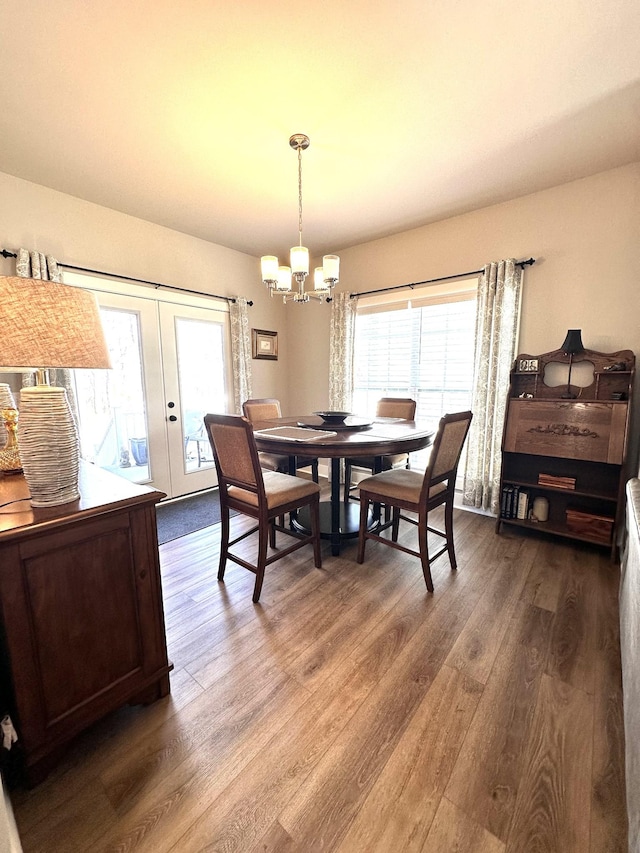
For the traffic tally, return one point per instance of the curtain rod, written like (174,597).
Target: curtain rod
(7,254)
(529,262)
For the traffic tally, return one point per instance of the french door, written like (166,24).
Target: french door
(143,419)
(193,357)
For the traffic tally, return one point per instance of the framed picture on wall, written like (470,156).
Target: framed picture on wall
(264,344)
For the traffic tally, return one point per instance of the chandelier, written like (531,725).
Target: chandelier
(279,279)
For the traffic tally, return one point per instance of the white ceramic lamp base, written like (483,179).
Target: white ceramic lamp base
(49,446)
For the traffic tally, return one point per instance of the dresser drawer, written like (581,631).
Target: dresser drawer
(594,432)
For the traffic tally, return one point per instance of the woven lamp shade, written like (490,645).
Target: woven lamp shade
(45,324)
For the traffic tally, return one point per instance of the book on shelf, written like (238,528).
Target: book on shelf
(513,501)
(505,501)
(523,505)
(556,481)
(513,508)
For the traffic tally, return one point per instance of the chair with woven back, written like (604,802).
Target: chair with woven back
(263,495)
(265,409)
(386,407)
(411,491)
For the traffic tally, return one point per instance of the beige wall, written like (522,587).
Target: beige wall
(87,235)
(585,236)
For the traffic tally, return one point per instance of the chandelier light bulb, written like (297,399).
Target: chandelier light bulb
(318,280)
(331,268)
(284,279)
(269,264)
(300,260)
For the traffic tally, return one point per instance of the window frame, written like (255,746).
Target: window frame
(464,289)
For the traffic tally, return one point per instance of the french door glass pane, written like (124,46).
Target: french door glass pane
(200,352)
(111,408)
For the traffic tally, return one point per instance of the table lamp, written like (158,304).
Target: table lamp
(572,346)
(44,324)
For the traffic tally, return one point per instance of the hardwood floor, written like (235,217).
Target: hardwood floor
(352,711)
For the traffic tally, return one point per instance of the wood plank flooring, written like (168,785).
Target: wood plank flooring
(351,711)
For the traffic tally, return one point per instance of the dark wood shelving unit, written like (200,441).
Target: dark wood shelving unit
(582,439)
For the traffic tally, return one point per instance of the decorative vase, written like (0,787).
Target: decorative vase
(139,450)
(9,455)
(6,402)
(541,509)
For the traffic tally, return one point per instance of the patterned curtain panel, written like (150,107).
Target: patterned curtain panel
(36,265)
(240,352)
(497,325)
(343,322)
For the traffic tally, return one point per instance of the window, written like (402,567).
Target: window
(420,348)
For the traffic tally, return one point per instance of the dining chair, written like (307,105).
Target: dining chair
(386,407)
(262,495)
(403,489)
(266,409)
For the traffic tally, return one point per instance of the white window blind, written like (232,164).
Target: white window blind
(420,348)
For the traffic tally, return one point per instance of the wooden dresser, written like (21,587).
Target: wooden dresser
(569,452)
(81,617)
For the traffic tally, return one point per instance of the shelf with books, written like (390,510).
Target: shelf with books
(537,487)
(569,448)
(592,479)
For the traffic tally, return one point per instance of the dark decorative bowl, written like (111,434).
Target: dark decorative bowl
(333,417)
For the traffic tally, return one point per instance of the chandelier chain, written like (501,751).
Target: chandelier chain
(300,195)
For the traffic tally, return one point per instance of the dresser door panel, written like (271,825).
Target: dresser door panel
(78,594)
(89,585)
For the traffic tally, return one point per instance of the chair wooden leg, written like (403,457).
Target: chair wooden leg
(448,529)
(423,535)
(395,527)
(263,536)
(272,532)
(314,512)
(224,543)
(314,471)
(364,512)
(347,481)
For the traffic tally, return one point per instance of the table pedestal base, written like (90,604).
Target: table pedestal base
(348,523)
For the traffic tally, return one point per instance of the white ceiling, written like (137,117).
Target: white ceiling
(180,112)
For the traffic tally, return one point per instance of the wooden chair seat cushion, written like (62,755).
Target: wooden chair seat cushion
(399,484)
(273,462)
(276,462)
(393,461)
(280,489)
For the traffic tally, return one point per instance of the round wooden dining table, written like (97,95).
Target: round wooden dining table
(310,436)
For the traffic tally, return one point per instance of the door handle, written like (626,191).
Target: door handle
(173,418)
